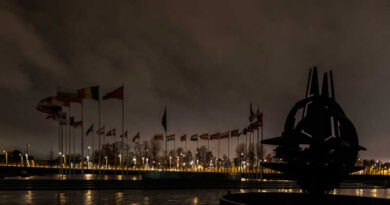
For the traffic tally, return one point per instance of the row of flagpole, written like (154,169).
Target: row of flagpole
(50,106)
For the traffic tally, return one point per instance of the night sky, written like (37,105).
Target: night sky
(205,60)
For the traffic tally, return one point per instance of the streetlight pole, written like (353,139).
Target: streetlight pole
(6,157)
(89,148)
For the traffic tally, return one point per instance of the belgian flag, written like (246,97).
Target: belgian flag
(89,93)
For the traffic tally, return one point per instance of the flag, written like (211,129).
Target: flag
(100,130)
(194,137)
(224,135)
(235,133)
(158,137)
(259,116)
(118,94)
(50,105)
(90,129)
(89,93)
(204,136)
(68,95)
(62,119)
(78,124)
(164,119)
(183,138)
(171,137)
(251,114)
(245,131)
(137,136)
(124,134)
(111,133)
(71,121)
(214,136)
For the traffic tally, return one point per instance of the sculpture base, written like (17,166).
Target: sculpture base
(299,199)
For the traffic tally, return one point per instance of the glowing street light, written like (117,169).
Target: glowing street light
(6,157)
(106,162)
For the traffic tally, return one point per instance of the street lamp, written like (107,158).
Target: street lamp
(120,159)
(21,159)
(89,148)
(6,157)
(106,162)
(170,159)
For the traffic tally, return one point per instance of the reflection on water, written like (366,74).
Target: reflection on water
(76,177)
(150,197)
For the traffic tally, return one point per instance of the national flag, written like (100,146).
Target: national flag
(118,94)
(68,95)
(62,119)
(90,129)
(89,93)
(111,133)
(214,136)
(245,131)
(171,137)
(124,135)
(164,119)
(183,138)
(224,135)
(50,105)
(252,115)
(158,137)
(100,130)
(71,121)
(204,136)
(259,116)
(194,137)
(235,133)
(78,124)
(137,136)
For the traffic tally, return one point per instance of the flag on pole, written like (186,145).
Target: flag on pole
(124,134)
(252,115)
(78,124)
(194,137)
(50,105)
(259,116)
(118,94)
(71,121)
(224,135)
(214,136)
(90,129)
(100,130)
(111,132)
(171,137)
(245,131)
(89,93)
(235,133)
(183,138)
(204,136)
(164,119)
(158,137)
(137,136)
(68,95)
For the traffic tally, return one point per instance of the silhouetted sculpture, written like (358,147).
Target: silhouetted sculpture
(321,148)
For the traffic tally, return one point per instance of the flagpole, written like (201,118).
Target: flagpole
(59,146)
(257,154)
(228,151)
(82,137)
(93,147)
(115,153)
(196,151)
(238,144)
(100,145)
(262,151)
(74,150)
(69,136)
(123,123)
(219,143)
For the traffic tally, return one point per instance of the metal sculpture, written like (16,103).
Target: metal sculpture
(321,148)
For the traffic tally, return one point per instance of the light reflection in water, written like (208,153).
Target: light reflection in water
(195,201)
(146,200)
(29,197)
(62,198)
(119,197)
(88,197)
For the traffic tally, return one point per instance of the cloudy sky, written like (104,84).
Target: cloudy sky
(204,60)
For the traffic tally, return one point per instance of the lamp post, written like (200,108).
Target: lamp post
(170,159)
(106,162)
(89,148)
(120,159)
(6,157)
(21,159)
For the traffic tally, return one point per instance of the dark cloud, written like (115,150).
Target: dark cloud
(205,60)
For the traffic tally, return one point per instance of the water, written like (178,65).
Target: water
(149,197)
